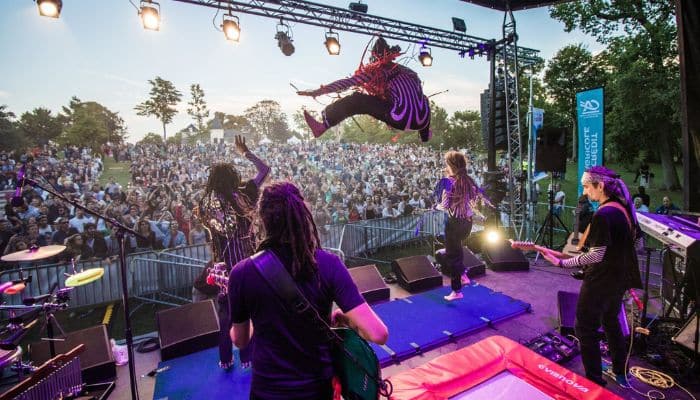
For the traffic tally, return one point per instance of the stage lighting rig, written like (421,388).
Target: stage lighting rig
(425,57)
(231,27)
(332,43)
(49,8)
(358,7)
(150,15)
(284,39)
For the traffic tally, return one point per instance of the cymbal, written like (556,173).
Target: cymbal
(34,253)
(85,277)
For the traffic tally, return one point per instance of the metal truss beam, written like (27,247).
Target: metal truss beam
(340,19)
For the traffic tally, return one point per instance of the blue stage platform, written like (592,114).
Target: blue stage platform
(417,323)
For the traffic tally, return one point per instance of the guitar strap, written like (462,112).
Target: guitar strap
(282,284)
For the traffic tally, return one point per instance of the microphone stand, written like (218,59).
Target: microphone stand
(120,232)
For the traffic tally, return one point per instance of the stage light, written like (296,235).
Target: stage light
(332,43)
(425,57)
(150,15)
(231,27)
(458,24)
(358,7)
(49,8)
(284,39)
(493,236)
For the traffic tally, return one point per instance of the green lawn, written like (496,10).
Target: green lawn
(120,171)
(570,185)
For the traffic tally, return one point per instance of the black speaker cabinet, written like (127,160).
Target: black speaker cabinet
(474,266)
(370,283)
(686,335)
(566,304)
(96,362)
(187,329)
(501,257)
(416,274)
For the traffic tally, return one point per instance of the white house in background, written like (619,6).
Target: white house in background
(218,133)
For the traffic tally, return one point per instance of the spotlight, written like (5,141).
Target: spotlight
(231,27)
(150,15)
(49,8)
(471,53)
(493,236)
(332,43)
(459,25)
(358,7)
(425,57)
(284,39)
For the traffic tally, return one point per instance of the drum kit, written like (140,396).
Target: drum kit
(22,318)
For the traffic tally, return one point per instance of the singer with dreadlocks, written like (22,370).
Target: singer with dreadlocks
(226,210)
(387,91)
(610,268)
(459,199)
(291,357)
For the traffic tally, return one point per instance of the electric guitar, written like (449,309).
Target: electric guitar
(218,276)
(530,246)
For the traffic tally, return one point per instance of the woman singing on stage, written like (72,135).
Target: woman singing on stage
(226,210)
(457,200)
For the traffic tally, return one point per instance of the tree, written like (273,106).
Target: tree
(198,108)
(151,138)
(268,120)
(39,126)
(440,126)
(571,70)
(642,37)
(465,130)
(162,102)
(91,124)
(10,136)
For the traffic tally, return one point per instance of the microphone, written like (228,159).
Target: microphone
(17,199)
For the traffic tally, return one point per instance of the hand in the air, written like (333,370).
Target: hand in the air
(240,144)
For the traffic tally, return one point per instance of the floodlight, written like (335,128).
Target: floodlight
(231,27)
(358,7)
(284,39)
(332,43)
(425,57)
(493,236)
(49,8)
(458,24)
(150,15)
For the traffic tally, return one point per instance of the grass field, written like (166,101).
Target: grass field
(120,171)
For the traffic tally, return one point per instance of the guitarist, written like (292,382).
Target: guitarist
(291,357)
(226,211)
(611,269)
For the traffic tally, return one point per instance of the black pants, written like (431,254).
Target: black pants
(596,307)
(225,344)
(359,103)
(456,230)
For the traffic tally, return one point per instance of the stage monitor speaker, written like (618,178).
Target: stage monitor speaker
(686,336)
(370,283)
(474,266)
(501,257)
(416,273)
(550,155)
(566,304)
(96,362)
(187,329)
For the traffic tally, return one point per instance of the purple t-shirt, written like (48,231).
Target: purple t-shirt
(290,358)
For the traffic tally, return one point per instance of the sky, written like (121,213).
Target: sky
(98,51)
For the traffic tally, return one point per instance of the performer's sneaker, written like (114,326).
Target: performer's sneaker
(317,128)
(466,280)
(453,296)
(226,366)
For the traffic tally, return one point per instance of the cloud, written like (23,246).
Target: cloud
(4,94)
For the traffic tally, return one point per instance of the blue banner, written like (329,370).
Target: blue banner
(537,122)
(590,116)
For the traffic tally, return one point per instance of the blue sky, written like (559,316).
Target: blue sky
(97,50)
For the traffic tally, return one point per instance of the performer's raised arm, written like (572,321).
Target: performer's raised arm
(338,86)
(263,169)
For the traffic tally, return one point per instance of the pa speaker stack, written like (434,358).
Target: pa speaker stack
(501,257)
(370,283)
(474,266)
(416,274)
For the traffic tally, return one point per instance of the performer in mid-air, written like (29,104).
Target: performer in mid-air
(387,91)
(227,210)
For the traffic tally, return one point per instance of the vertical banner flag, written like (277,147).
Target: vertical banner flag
(590,116)
(537,122)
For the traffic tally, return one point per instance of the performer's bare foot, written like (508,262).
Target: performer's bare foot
(317,128)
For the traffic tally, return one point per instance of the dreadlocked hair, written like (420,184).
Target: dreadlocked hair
(614,187)
(464,189)
(225,181)
(288,221)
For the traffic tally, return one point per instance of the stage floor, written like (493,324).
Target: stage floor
(538,287)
